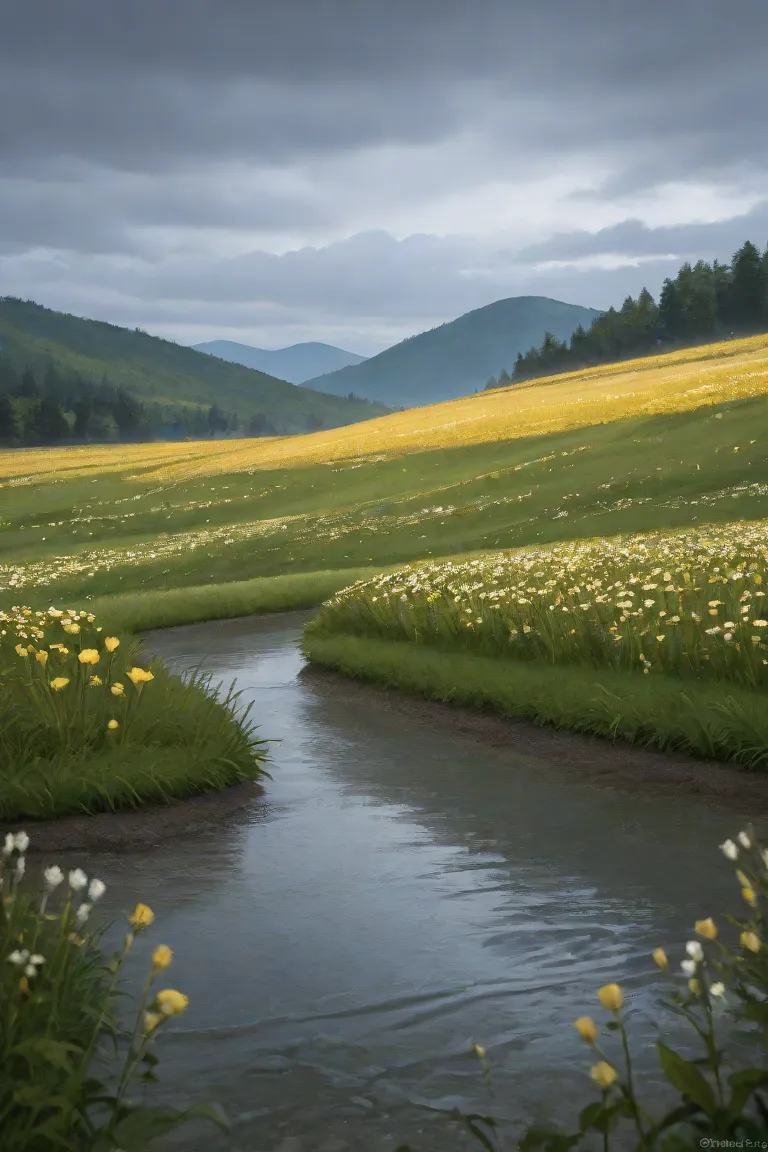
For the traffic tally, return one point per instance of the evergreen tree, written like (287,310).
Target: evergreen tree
(9,424)
(49,422)
(748,288)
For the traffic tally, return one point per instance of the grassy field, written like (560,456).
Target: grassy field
(661,443)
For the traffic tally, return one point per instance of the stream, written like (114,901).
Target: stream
(397,893)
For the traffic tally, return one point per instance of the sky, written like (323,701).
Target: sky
(357,171)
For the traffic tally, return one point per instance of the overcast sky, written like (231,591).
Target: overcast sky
(355,171)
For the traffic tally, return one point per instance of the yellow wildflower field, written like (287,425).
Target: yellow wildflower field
(676,382)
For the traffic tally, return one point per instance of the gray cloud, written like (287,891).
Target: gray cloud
(162,156)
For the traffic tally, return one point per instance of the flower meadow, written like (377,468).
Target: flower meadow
(688,604)
(86,726)
(70,1070)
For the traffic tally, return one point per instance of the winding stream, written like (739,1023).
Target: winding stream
(396,894)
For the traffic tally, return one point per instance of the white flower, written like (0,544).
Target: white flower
(689,967)
(96,890)
(53,876)
(37,959)
(694,950)
(77,879)
(8,845)
(30,970)
(744,840)
(717,990)
(729,849)
(82,913)
(764,855)
(19,957)
(21,866)
(21,841)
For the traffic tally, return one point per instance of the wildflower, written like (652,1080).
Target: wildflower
(744,840)
(603,1075)
(750,940)
(688,967)
(21,866)
(95,681)
(477,1050)
(695,987)
(660,958)
(587,1029)
(749,896)
(59,682)
(706,928)
(82,913)
(42,657)
(21,842)
(142,917)
(19,957)
(88,656)
(170,1002)
(151,1021)
(73,629)
(77,879)
(161,958)
(139,676)
(611,996)
(53,876)
(117,689)
(717,990)
(111,643)
(96,889)
(695,950)
(729,849)
(21,650)
(112,725)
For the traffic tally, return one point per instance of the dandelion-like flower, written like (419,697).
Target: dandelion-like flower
(112,725)
(88,656)
(603,1074)
(170,1002)
(59,682)
(139,676)
(161,958)
(611,997)
(117,689)
(111,643)
(142,917)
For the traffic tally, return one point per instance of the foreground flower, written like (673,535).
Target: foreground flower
(139,676)
(96,890)
(603,1074)
(41,657)
(745,840)
(751,941)
(53,876)
(611,996)
(151,1021)
(477,1050)
(706,928)
(695,950)
(111,643)
(59,682)
(142,916)
(587,1029)
(161,958)
(112,725)
(660,958)
(117,690)
(170,1002)
(77,879)
(718,990)
(88,656)
(729,849)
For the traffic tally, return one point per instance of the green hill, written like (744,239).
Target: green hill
(169,378)
(459,357)
(297,363)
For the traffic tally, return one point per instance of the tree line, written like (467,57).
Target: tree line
(703,302)
(50,405)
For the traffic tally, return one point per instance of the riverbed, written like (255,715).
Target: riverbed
(399,891)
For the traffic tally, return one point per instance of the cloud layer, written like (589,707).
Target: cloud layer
(354,171)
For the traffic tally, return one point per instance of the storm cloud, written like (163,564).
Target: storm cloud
(356,171)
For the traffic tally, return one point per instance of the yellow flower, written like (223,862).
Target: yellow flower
(42,657)
(161,958)
(706,928)
(694,986)
(749,896)
(751,941)
(59,682)
(610,996)
(73,629)
(117,690)
(21,650)
(603,1074)
(139,676)
(111,642)
(88,656)
(660,958)
(151,1021)
(587,1029)
(142,916)
(170,1002)
(112,725)
(477,1050)
(95,681)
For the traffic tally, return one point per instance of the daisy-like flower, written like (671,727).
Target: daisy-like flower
(53,876)
(77,879)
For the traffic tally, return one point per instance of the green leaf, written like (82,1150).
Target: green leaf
(685,1076)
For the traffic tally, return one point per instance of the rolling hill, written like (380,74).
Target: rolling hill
(162,373)
(297,363)
(458,357)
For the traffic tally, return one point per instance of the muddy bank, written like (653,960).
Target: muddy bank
(143,827)
(593,759)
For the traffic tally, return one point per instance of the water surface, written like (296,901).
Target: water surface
(396,894)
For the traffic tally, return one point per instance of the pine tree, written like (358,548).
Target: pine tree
(9,424)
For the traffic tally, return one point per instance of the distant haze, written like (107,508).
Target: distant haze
(297,363)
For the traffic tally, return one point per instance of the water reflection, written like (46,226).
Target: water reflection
(398,892)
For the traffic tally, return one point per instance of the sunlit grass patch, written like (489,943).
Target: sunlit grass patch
(86,726)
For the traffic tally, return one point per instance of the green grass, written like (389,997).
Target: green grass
(632,475)
(169,737)
(703,719)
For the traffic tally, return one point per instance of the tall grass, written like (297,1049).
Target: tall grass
(84,726)
(689,604)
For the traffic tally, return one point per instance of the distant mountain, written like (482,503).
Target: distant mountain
(297,363)
(459,357)
(172,380)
